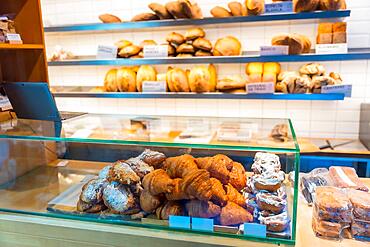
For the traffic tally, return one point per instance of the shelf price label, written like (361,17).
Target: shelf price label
(201,224)
(281,7)
(154,86)
(331,48)
(181,222)
(14,38)
(261,88)
(106,52)
(5,103)
(255,230)
(345,89)
(273,50)
(153,51)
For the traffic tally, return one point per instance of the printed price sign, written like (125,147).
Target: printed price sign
(151,51)
(5,103)
(263,87)
(346,89)
(106,52)
(281,7)
(182,222)
(273,50)
(255,230)
(331,48)
(13,38)
(201,224)
(154,86)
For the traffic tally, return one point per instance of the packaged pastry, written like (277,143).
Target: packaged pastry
(346,177)
(361,204)
(309,182)
(328,229)
(361,230)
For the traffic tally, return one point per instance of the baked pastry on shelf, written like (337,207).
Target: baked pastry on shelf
(170,208)
(233,214)
(122,173)
(152,158)
(274,223)
(150,203)
(202,209)
(158,182)
(119,199)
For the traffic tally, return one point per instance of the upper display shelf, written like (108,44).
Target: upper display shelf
(353,54)
(205,21)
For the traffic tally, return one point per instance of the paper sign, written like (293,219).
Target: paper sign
(201,224)
(62,163)
(5,103)
(281,7)
(106,52)
(274,50)
(82,133)
(154,86)
(255,230)
(13,38)
(331,48)
(3,18)
(182,222)
(263,87)
(155,51)
(346,89)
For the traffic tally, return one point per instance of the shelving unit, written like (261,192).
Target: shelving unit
(97,27)
(21,46)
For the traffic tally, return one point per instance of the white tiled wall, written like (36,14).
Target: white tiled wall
(315,119)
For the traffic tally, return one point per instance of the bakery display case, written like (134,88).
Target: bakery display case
(226,177)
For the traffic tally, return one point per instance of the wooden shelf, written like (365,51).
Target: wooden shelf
(5,46)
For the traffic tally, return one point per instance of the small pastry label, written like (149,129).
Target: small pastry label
(152,51)
(258,88)
(255,230)
(106,52)
(181,222)
(274,50)
(5,103)
(345,89)
(154,86)
(331,48)
(14,38)
(201,224)
(280,7)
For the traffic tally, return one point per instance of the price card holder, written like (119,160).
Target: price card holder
(255,230)
(153,51)
(14,38)
(281,7)
(106,52)
(261,88)
(201,224)
(345,89)
(274,50)
(154,86)
(180,222)
(331,48)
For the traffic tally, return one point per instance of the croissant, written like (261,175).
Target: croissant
(218,166)
(233,214)
(180,166)
(169,208)
(148,202)
(196,208)
(218,193)
(177,193)
(237,176)
(234,196)
(198,184)
(158,182)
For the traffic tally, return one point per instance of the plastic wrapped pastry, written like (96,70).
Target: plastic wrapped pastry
(346,177)
(309,182)
(361,204)
(92,191)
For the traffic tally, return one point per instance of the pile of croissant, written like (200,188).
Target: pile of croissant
(206,187)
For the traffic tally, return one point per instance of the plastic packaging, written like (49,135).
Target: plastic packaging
(346,177)
(309,182)
(361,229)
(361,204)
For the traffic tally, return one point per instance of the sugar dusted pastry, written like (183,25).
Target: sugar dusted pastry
(118,198)
(139,167)
(266,162)
(122,172)
(104,173)
(92,191)
(152,158)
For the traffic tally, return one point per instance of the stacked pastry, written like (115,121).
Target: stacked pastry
(199,187)
(262,72)
(118,187)
(6,26)
(361,213)
(266,194)
(313,5)
(297,43)
(332,213)
(310,78)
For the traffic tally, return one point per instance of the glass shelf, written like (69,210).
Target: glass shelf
(95,27)
(353,54)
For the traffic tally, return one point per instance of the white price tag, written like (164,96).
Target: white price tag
(62,163)
(106,52)
(263,87)
(5,103)
(281,7)
(154,86)
(3,18)
(273,50)
(346,89)
(331,48)
(13,38)
(155,51)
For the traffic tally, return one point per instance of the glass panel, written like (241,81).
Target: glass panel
(226,133)
(44,177)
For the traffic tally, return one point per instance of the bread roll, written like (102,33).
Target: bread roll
(202,79)
(271,68)
(175,9)
(175,38)
(130,50)
(202,53)
(147,42)
(220,12)
(185,55)
(185,48)
(330,5)
(110,81)
(186,8)
(203,44)
(305,5)
(255,7)
(145,17)
(297,43)
(179,79)
(236,8)
(170,83)
(126,80)
(122,43)
(108,18)
(194,33)
(306,43)
(160,11)
(171,49)
(145,73)
(228,46)
(254,68)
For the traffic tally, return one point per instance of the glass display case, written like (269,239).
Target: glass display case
(230,177)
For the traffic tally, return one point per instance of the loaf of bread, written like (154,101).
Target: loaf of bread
(108,18)
(220,12)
